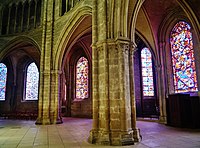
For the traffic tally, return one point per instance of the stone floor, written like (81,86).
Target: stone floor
(73,133)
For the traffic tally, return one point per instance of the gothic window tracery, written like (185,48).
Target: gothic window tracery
(183,61)
(32,82)
(3,79)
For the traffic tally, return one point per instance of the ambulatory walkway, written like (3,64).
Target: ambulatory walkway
(73,133)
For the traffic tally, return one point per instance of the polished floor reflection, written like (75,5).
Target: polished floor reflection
(73,133)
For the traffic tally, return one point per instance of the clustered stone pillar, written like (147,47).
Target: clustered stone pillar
(161,84)
(48,110)
(114,119)
(136,131)
(55,104)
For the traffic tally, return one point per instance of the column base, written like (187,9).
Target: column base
(59,121)
(163,119)
(116,138)
(127,138)
(99,137)
(136,135)
(42,121)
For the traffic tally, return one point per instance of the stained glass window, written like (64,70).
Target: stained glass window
(147,72)
(3,78)
(32,82)
(82,78)
(183,58)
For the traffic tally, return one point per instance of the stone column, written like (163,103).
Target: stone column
(95,83)
(16,11)
(8,26)
(161,86)
(112,101)
(67,3)
(35,15)
(58,8)
(114,109)
(103,96)
(44,102)
(196,47)
(28,18)
(1,18)
(95,96)
(22,19)
(126,131)
(45,115)
(55,116)
(136,131)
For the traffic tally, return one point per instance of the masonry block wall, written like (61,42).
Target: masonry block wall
(104,31)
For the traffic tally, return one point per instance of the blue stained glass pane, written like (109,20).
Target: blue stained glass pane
(32,82)
(3,79)
(82,78)
(183,58)
(147,72)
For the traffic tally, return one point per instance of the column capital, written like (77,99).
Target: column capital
(123,44)
(99,48)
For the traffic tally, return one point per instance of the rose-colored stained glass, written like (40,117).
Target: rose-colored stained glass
(147,72)
(3,79)
(82,78)
(183,58)
(32,82)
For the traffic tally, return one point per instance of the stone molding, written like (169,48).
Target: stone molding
(125,46)
(99,48)
(133,48)
(117,54)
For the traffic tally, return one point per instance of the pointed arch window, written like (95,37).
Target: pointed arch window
(82,78)
(32,82)
(147,72)
(3,79)
(183,61)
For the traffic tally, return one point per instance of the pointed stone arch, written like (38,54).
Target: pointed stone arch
(65,39)
(17,53)
(133,10)
(19,41)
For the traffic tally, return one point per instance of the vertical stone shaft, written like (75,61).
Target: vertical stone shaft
(112,100)
(124,87)
(55,94)
(95,69)
(136,132)
(161,84)
(8,24)
(45,66)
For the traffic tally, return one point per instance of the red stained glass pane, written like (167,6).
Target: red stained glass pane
(183,58)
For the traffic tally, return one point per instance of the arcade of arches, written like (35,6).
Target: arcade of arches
(112,61)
